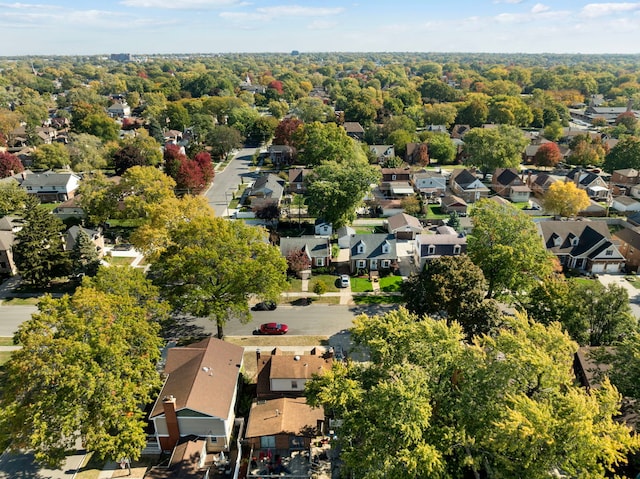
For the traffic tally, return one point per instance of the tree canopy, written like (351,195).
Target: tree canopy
(87,364)
(491,148)
(565,199)
(429,404)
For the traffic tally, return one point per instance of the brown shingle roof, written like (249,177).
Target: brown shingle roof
(285,367)
(202,377)
(284,415)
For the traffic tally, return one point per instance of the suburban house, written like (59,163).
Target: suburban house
(540,183)
(625,204)
(69,209)
(317,249)
(296,180)
(198,397)
(404,226)
(382,152)
(430,184)
(467,186)
(281,154)
(344,236)
(622,181)
(283,425)
(593,184)
(51,187)
(507,183)
(583,245)
(322,227)
(285,375)
(119,109)
(458,131)
(446,242)
(372,252)
(266,190)
(8,228)
(629,240)
(96,237)
(453,203)
(609,113)
(396,182)
(417,153)
(354,130)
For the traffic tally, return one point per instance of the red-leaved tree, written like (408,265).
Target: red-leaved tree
(9,164)
(284,131)
(547,155)
(298,260)
(189,177)
(203,159)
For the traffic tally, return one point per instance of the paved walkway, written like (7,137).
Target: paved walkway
(620,280)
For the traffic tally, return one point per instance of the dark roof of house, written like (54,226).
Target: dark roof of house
(451,200)
(506,176)
(314,247)
(585,177)
(625,200)
(629,235)
(592,238)
(373,244)
(202,376)
(269,184)
(296,175)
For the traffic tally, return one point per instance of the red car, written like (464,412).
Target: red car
(273,328)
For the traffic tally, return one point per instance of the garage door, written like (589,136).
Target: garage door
(612,268)
(597,268)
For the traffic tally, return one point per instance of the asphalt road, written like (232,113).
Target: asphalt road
(226,182)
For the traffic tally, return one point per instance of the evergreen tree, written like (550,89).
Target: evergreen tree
(38,252)
(84,256)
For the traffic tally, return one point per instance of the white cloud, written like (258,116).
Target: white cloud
(26,6)
(298,11)
(593,10)
(180,4)
(539,8)
(321,25)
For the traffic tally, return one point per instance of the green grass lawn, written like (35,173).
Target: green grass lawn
(295,285)
(361,285)
(329,280)
(390,284)
(377,299)
(6,341)
(119,260)
(435,213)
(4,357)
(20,302)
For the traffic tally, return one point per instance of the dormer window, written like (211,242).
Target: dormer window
(360,247)
(431,249)
(393,177)
(456,249)
(574,241)
(386,247)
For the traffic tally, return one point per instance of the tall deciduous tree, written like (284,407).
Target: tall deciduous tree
(505,244)
(586,151)
(565,199)
(547,155)
(13,198)
(55,155)
(38,251)
(335,190)
(430,405)
(212,267)
(223,139)
(87,364)
(9,164)
(318,142)
(127,157)
(626,154)
(491,148)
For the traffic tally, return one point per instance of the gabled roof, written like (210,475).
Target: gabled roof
(283,416)
(464,178)
(268,184)
(373,246)
(628,172)
(630,236)
(403,221)
(285,366)
(625,200)
(48,179)
(313,246)
(451,200)
(506,177)
(9,223)
(353,127)
(7,238)
(202,377)
(296,175)
(577,238)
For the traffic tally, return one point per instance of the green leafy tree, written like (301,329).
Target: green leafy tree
(98,198)
(100,125)
(474,112)
(491,148)
(624,359)
(178,116)
(586,151)
(212,267)
(86,152)
(38,251)
(626,154)
(85,259)
(335,190)
(505,244)
(407,412)
(553,131)
(319,287)
(223,140)
(312,109)
(320,142)
(139,188)
(441,148)
(149,147)
(13,198)
(54,155)
(509,110)
(87,364)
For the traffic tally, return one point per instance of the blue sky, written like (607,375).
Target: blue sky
(219,26)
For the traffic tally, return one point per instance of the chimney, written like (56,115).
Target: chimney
(169,405)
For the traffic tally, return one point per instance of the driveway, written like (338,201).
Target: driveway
(619,279)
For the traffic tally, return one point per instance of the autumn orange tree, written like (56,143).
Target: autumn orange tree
(565,199)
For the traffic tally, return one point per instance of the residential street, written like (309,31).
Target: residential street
(619,279)
(226,182)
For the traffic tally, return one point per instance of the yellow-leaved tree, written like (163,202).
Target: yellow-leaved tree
(565,199)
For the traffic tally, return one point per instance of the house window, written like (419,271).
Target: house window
(385,247)
(385,263)
(360,248)
(393,177)
(299,186)
(319,261)
(361,263)
(267,442)
(609,252)
(294,384)
(456,249)
(431,249)
(574,241)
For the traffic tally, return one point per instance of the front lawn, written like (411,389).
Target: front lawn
(390,284)
(377,299)
(295,285)
(361,285)
(435,213)
(329,281)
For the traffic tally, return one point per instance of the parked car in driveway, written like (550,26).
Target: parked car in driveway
(265,306)
(273,328)
(344,281)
